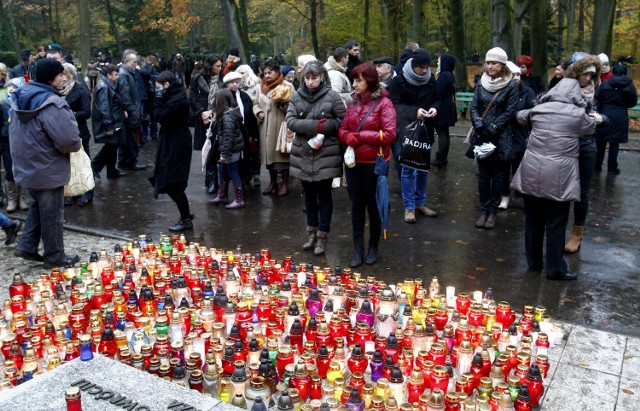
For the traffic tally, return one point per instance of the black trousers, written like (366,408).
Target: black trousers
(180,198)
(361,186)
(444,142)
(106,157)
(542,215)
(318,202)
(490,183)
(129,149)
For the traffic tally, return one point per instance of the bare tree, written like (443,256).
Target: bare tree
(418,21)
(85,32)
(538,38)
(396,12)
(311,16)
(457,25)
(602,32)
(6,22)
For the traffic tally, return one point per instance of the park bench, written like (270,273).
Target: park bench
(463,102)
(634,112)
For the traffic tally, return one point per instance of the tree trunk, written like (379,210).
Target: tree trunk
(501,35)
(538,38)
(457,25)
(112,25)
(231,22)
(602,33)
(57,26)
(395,8)
(320,55)
(571,22)
(580,38)
(6,22)
(418,23)
(365,34)
(520,9)
(85,32)
(384,29)
(244,24)
(560,32)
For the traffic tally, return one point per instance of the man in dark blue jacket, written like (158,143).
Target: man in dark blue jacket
(42,133)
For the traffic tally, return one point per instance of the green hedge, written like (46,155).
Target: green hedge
(9,58)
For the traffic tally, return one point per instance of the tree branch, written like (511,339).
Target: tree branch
(295,7)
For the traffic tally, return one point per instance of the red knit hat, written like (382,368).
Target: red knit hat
(525,60)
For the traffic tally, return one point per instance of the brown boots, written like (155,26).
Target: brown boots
(574,242)
(284,188)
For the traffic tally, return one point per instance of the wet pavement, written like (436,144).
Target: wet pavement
(448,246)
(593,369)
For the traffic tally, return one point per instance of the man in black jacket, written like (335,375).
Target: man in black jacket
(127,90)
(25,68)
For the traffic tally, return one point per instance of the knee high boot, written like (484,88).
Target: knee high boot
(273,183)
(284,188)
(221,198)
(239,200)
(574,242)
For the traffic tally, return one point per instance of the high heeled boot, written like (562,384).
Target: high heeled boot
(284,188)
(272,188)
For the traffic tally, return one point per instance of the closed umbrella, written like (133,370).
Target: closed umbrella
(381,169)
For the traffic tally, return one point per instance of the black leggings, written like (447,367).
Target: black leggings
(180,198)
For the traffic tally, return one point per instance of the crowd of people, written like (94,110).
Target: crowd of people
(298,121)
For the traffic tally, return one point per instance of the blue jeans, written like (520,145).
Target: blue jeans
(45,220)
(5,221)
(229,171)
(414,187)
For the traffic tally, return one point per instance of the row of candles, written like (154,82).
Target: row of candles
(240,327)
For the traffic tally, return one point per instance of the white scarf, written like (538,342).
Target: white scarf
(240,105)
(495,84)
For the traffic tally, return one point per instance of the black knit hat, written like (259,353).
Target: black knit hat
(25,54)
(47,70)
(234,52)
(421,57)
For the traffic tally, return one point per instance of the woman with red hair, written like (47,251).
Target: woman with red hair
(369,126)
(534,82)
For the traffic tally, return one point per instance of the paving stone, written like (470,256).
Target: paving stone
(46,392)
(628,395)
(631,360)
(595,350)
(583,388)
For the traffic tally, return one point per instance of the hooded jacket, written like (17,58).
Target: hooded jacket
(230,137)
(549,168)
(446,89)
(308,111)
(42,133)
(574,70)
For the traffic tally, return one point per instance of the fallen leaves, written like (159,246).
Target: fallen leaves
(567,300)
(628,391)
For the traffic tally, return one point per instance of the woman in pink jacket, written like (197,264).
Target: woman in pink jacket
(370,124)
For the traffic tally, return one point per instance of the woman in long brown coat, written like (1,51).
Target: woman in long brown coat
(271,114)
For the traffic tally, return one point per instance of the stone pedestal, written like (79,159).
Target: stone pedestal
(106,385)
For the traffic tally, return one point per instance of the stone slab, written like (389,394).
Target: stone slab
(631,361)
(595,350)
(47,392)
(628,395)
(583,388)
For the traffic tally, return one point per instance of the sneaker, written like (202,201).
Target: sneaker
(410,216)
(424,210)
(504,203)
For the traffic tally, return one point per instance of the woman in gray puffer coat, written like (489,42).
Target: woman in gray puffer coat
(549,176)
(316,109)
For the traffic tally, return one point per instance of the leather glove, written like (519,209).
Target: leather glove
(352,139)
(320,127)
(483,132)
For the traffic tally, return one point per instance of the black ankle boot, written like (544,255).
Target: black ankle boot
(182,225)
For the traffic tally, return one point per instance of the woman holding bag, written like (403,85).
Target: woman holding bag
(316,109)
(370,124)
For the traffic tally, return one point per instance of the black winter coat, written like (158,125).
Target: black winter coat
(198,100)
(128,91)
(613,98)
(80,102)
(446,89)
(173,156)
(306,109)
(407,99)
(534,83)
(526,100)
(230,137)
(107,113)
(498,121)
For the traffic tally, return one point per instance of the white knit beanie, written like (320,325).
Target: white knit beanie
(496,54)
(513,67)
(604,59)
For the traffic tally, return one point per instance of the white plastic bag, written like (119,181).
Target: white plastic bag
(350,157)
(483,151)
(317,141)
(81,174)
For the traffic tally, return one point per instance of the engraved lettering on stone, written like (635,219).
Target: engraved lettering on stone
(92,390)
(105,395)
